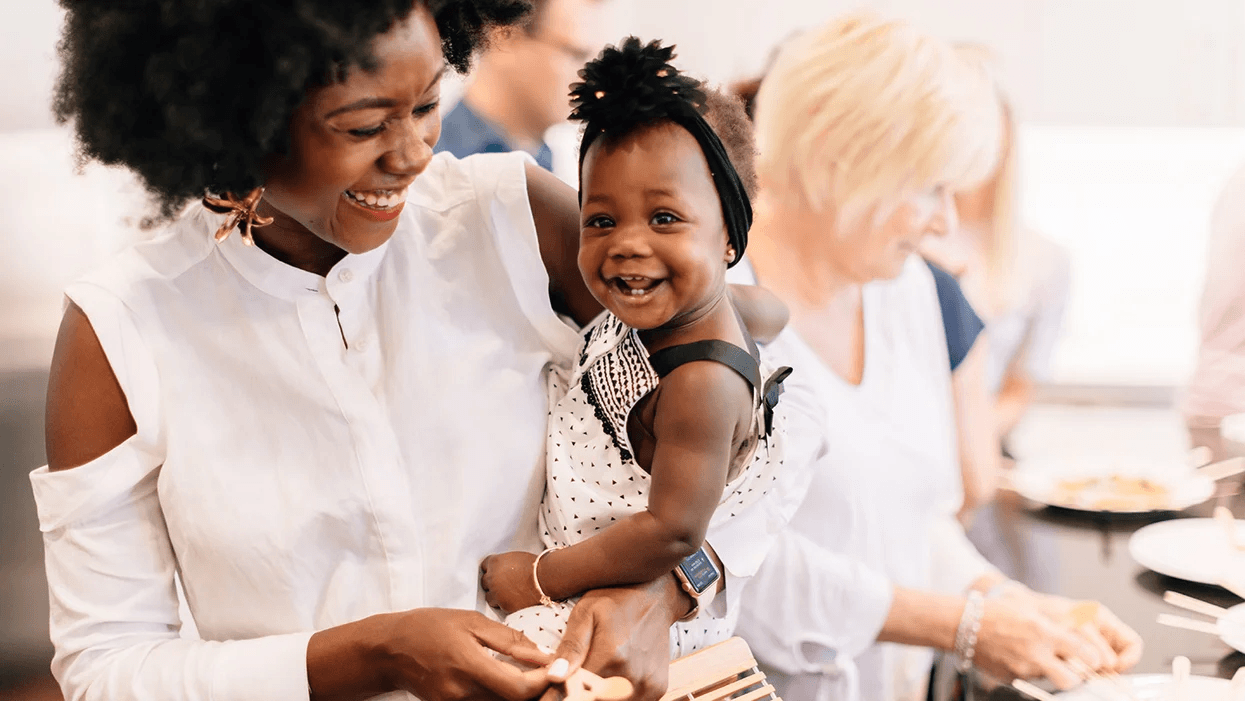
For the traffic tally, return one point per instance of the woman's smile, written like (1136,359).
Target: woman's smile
(377,205)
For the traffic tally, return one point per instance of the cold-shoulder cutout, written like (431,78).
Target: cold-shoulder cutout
(87,411)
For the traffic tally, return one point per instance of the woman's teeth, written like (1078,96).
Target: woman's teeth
(378,199)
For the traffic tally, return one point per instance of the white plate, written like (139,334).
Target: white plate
(1192,549)
(1149,687)
(1232,628)
(1041,483)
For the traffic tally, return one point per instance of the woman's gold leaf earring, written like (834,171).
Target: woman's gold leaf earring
(241,213)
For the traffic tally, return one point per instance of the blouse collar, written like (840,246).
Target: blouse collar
(286,281)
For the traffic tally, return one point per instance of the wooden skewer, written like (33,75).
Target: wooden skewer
(1084,670)
(1180,677)
(1222,469)
(1168,619)
(1032,691)
(1195,605)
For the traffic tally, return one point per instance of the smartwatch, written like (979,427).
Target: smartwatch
(699,578)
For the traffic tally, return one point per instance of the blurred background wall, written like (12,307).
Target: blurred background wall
(1132,116)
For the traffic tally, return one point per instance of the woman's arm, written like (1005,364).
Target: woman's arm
(555,209)
(977,437)
(763,313)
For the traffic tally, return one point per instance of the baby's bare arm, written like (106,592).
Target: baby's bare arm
(697,412)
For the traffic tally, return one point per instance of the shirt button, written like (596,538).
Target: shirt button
(345,275)
(361,344)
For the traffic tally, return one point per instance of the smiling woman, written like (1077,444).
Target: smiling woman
(319,436)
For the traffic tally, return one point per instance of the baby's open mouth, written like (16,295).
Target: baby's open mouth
(378,199)
(635,286)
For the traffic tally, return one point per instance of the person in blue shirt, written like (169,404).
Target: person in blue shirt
(520,86)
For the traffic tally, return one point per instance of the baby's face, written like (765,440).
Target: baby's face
(652,245)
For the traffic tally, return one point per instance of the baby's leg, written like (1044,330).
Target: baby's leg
(543,625)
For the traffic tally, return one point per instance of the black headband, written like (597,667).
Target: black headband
(635,85)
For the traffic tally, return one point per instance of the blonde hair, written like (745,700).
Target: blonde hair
(864,111)
(1004,242)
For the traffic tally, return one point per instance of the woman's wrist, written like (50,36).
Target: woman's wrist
(349,661)
(922,618)
(968,629)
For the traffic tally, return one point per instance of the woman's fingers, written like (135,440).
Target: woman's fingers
(1069,644)
(1123,640)
(1059,673)
(507,681)
(1090,634)
(501,677)
(508,641)
(576,642)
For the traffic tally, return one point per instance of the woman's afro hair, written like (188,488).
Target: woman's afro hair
(192,95)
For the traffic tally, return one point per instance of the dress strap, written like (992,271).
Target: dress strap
(741,361)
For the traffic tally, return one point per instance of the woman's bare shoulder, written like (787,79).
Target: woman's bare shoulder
(87,412)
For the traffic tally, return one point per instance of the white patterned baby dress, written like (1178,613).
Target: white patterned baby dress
(593,480)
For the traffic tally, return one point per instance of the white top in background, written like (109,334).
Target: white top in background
(1217,387)
(295,483)
(879,511)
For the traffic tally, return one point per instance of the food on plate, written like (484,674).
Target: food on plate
(1113,492)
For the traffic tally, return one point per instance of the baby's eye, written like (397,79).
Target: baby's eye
(426,109)
(600,221)
(662,218)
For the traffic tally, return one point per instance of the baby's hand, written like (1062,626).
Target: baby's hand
(507,581)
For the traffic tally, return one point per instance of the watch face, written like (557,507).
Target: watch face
(699,570)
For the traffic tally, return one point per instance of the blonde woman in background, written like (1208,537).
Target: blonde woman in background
(865,128)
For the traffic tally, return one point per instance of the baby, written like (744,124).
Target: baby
(666,425)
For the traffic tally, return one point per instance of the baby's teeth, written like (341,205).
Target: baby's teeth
(371,199)
(382,201)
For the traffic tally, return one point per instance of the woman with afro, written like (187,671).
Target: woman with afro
(316,401)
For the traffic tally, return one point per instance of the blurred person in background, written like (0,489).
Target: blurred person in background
(865,128)
(1016,279)
(520,85)
(967,358)
(1217,388)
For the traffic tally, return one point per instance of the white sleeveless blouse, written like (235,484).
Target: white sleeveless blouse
(299,467)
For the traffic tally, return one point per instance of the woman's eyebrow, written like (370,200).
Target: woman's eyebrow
(366,103)
(381,102)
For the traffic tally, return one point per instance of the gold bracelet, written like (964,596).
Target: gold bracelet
(544,598)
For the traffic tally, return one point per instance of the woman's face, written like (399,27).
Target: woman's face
(652,246)
(876,248)
(356,145)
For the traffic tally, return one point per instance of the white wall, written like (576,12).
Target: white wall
(1084,62)
(28,34)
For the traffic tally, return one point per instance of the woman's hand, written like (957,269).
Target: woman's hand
(625,631)
(1118,645)
(1018,640)
(507,581)
(435,654)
